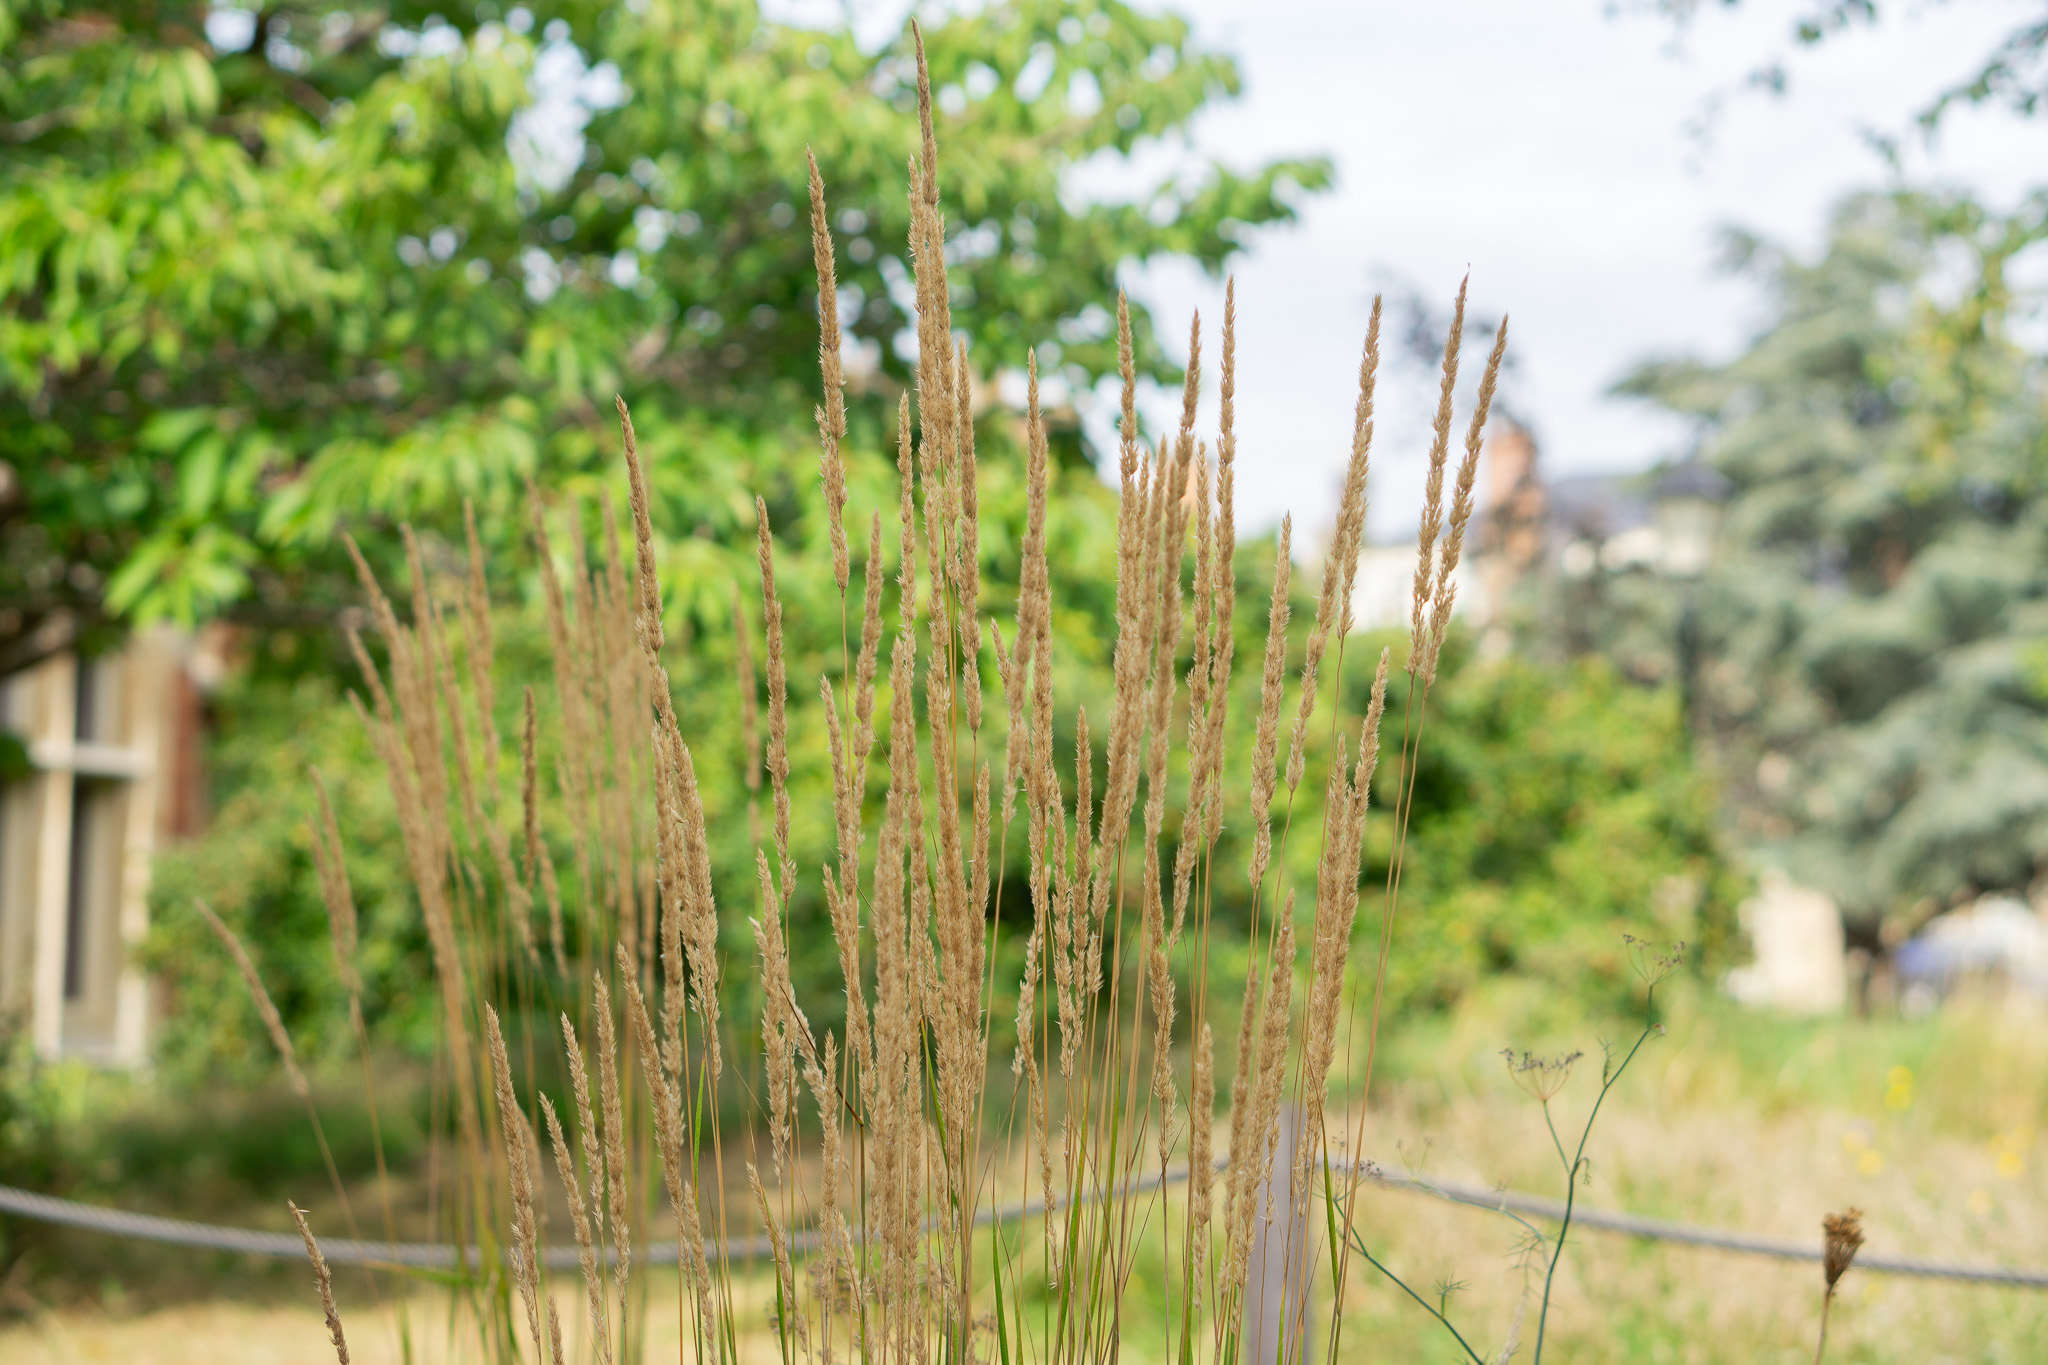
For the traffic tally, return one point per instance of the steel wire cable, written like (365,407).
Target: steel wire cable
(46,1208)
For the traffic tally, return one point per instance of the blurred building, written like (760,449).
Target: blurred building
(1661,522)
(111,771)
(1801,963)
(1572,528)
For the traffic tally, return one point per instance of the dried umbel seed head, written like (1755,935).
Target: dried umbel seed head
(1542,1077)
(1844,1236)
(1650,961)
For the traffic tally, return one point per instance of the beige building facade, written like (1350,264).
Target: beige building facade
(113,754)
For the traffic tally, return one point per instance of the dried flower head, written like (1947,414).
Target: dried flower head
(1650,961)
(1542,1077)
(1844,1236)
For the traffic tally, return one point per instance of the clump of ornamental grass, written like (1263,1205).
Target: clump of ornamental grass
(879,1142)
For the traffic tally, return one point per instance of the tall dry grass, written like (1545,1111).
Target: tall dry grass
(884,1139)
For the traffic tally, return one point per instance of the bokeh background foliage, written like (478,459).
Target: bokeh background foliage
(1870,680)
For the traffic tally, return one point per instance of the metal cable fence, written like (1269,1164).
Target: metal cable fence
(433,1255)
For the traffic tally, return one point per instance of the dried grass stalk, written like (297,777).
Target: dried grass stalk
(1333,601)
(325,837)
(1263,1129)
(1337,887)
(1201,1155)
(832,415)
(778,695)
(668,1142)
(1433,492)
(273,1022)
(1461,505)
(525,1235)
(325,1281)
(614,1128)
(785,1273)
(750,704)
(1266,740)
(579,1220)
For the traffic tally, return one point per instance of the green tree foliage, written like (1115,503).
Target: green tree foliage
(264,275)
(1871,675)
(1558,809)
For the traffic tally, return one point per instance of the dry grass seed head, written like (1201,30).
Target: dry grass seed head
(1266,742)
(743,669)
(1201,1160)
(1433,492)
(778,695)
(325,1281)
(478,639)
(832,415)
(609,1098)
(525,1235)
(579,1219)
(273,1023)
(662,1098)
(1361,443)
(785,1274)
(325,837)
(1462,505)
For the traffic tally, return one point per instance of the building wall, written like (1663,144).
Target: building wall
(112,742)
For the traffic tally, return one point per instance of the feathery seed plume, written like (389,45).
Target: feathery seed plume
(1340,566)
(325,1282)
(778,696)
(743,668)
(668,1138)
(1266,744)
(588,1131)
(1361,442)
(273,1022)
(1201,1161)
(1242,1085)
(785,1275)
(832,415)
(525,1236)
(325,837)
(579,1219)
(1433,494)
(529,786)
(1461,504)
(620,1209)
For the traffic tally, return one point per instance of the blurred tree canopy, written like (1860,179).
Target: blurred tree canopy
(266,273)
(2013,73)
(1558,808)
(1873,676)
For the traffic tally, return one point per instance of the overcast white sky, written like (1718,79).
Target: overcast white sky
(1544,144)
